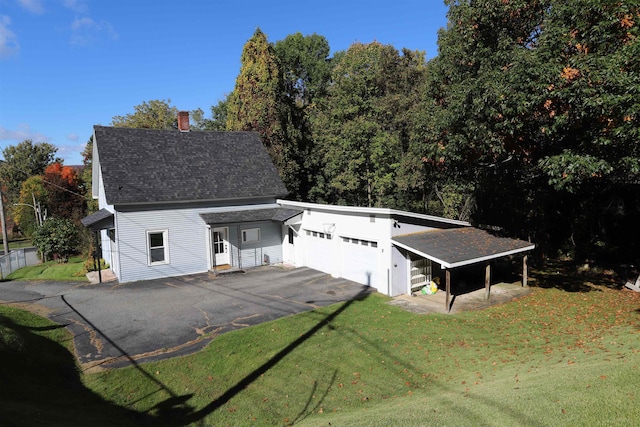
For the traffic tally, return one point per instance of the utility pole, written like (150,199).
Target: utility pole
(5,236)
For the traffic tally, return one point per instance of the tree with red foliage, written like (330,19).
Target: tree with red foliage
(64,198)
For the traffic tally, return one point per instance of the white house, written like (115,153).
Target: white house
(174,202)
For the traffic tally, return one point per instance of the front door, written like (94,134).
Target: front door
(220,240)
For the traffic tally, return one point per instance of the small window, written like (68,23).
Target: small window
(374,244)
(372,218)
(328,236)
(345,239)
(157,242)
(251,235)
(321,235)
(308,232)
(364,242)
(355,241)
(315,233)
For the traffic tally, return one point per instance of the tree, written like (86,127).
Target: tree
(25,212)
(306,70)
(154,114)
(57,237)
(305,65)
(86,179)
(23,161)
(257,104)
(531,106)
(363,126)
(64,199)
(218,121)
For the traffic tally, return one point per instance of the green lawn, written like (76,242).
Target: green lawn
(20,243)
(551,358)
(52,270)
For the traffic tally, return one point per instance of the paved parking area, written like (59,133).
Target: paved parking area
(115,324)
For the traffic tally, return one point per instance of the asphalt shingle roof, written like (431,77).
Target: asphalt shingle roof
(268,214)
(462,246)
(164,166)
(98,220)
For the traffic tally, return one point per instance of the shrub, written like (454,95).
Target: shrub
(57,238)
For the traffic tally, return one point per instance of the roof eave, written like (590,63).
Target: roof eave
(449,265)
(190,201)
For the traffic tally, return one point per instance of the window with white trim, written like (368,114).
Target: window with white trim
(158,247)
(319,234)
(251,235)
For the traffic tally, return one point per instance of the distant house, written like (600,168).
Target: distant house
(174,202)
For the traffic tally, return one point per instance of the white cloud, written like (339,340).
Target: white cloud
(73,137)
(76,5)
(23,132)
(8,40)
(86,22)
(85,30)
(34,6)
(71,154)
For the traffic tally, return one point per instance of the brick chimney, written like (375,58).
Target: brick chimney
(183,121)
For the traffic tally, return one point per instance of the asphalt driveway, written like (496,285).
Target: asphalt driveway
(116,324)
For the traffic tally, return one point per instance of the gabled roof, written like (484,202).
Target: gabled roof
(455,247)
(167,166)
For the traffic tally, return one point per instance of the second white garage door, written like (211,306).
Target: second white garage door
(360,261)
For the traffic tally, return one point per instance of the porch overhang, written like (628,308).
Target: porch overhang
(101,220)
(250,215)
(457,247)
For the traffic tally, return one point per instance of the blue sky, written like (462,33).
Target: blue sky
(66,65)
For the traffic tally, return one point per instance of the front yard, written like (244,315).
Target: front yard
(554,357)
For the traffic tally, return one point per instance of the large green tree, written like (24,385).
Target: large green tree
(154,114)
(362,129)
(306,70)
(532,106)
(23,161)
(257,104)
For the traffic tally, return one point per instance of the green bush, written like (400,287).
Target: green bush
(56,238)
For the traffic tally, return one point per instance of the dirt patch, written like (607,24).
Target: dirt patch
(500,293)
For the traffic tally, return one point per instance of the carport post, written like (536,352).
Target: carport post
(448,280)
(524,270)
(487,280)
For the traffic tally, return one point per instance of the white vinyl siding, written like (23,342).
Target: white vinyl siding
(267,250)
(186,243)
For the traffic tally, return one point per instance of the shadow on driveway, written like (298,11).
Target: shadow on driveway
(115,325)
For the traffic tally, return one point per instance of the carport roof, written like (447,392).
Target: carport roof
(456,247)
(252,215)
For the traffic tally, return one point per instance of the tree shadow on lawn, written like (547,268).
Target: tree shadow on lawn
(570,276)
(41,383)
(175,411)
(567,276)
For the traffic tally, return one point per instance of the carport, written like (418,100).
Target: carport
(457,247)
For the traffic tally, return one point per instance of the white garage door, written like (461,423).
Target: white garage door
(318,253)
(360,261)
